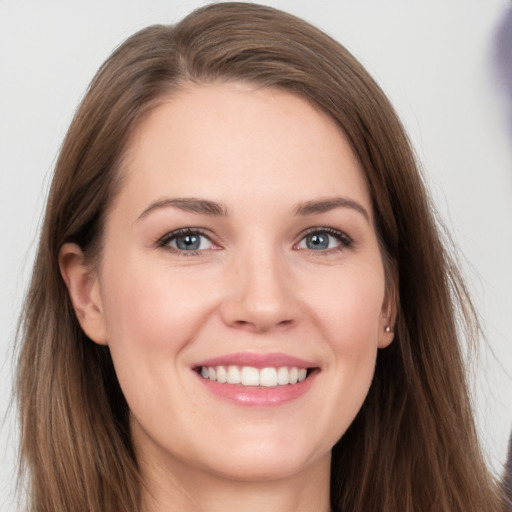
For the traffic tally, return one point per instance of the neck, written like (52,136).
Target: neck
(192,490)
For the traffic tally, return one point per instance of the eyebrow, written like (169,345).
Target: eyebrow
(207,207)
(325,205)
(187,204)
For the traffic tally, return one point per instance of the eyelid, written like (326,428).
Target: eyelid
(345,240)
(164,240)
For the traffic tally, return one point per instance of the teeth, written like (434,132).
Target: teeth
(268,377)
(234,376)
(250,376)
(283,376)
(222,374)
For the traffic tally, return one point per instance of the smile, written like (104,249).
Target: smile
(258,380)
(251,376)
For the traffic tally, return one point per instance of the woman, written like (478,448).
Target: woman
(241,299)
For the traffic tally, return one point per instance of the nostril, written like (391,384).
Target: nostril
(285,323)
(261,325)
(259,312)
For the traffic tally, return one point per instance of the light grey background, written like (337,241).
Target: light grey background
(446,65)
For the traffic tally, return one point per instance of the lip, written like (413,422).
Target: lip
(257,360)
(258,396)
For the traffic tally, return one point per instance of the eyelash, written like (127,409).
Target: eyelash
(164,241)
(345,242)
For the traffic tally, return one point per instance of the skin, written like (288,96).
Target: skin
(255,285)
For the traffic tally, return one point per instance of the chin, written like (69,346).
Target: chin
(261,468)
(268,458)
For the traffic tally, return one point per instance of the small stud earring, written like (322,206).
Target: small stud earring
(387,329)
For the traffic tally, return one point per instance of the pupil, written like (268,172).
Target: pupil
(317,242)
(188,242)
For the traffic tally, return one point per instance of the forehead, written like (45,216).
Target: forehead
(217,138)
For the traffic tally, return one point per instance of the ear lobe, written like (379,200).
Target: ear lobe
(387,320)
(84,291)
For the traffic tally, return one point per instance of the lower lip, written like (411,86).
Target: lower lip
(258,396)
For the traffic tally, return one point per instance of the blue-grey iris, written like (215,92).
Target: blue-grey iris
(317,241)
(188,242)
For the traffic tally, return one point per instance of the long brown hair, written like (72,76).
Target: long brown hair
(413,444)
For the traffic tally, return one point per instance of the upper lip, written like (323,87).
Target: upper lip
(256,360)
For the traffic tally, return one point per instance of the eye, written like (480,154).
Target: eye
(186,240)
(324,239)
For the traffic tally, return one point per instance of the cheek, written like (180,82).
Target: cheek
(151,319)
(349,307)
(151,316)
(152,307)
(349,319)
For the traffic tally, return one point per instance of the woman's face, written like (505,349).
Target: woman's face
(242,247)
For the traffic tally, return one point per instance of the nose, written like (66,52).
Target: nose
(261,294)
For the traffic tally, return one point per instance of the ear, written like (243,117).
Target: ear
(387,320)
(84,291)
